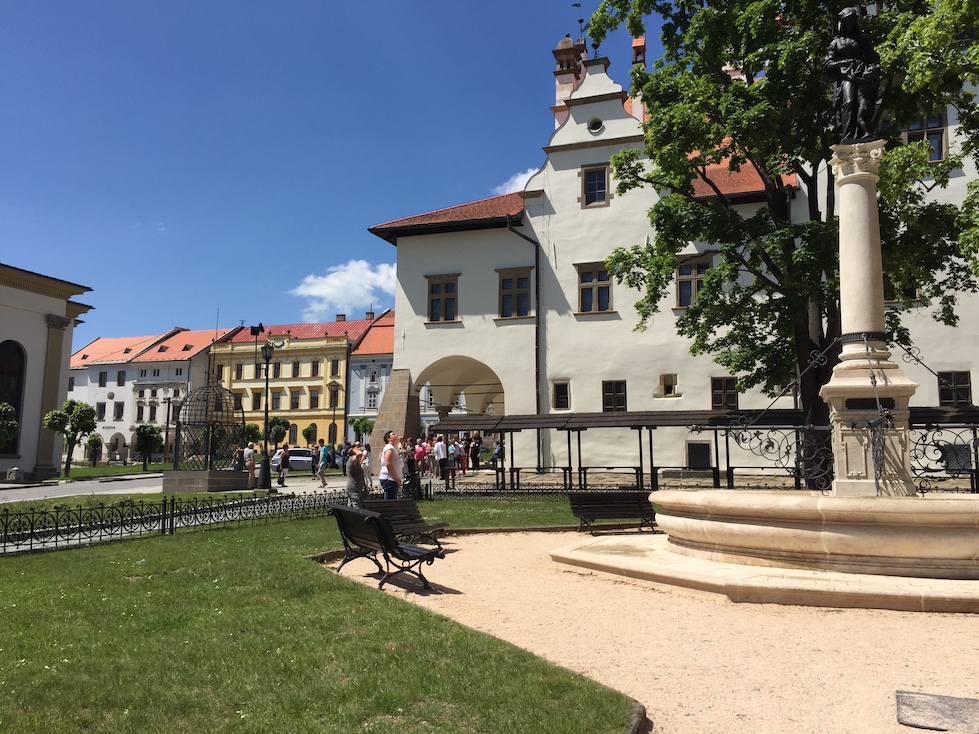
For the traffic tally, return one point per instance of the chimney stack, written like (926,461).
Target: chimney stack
(567,75)
(369,316)
(341,317)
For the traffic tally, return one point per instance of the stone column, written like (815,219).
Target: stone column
(399,410)
(865,380)
(45,465)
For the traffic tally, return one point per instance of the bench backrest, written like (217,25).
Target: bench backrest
(365,528)
(624,499)
(398,512)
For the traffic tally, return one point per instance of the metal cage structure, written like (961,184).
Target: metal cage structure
(210,428)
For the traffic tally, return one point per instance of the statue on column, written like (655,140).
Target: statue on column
(855,67)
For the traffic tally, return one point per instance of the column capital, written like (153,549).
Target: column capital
(856,159)
(57,322)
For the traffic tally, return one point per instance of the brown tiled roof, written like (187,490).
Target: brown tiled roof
(482,214)
(379,338)
(745,184)
(353,329)
(183,345)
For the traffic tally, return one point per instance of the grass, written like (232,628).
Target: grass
(234,631)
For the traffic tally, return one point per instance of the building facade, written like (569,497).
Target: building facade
(38,319)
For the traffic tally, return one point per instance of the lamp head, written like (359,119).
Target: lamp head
(267,351)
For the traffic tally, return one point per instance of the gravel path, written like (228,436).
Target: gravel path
(698,662)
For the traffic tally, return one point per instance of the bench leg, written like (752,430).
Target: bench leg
(412,567)
(352,553)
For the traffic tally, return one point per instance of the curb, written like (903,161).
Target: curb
(638,722)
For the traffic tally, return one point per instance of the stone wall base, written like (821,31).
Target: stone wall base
(204,481)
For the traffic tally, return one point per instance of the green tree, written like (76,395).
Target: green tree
(363,426)
(740,88)
(149,438)
(253,433)
(95,444)
(8,423)
(72,420)
(309,433)
(278,428)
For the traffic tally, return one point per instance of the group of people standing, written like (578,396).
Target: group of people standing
(439,456)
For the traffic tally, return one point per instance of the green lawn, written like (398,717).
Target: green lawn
(233,630)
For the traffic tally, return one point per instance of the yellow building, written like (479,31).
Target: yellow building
(308,374)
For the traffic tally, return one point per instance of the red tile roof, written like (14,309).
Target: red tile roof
(379,338)
(745,183)
(183,345)
(109,350)
(353,329)
(482,214)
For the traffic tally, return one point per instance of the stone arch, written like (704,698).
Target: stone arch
(13,373)
(116,447)
(476,382)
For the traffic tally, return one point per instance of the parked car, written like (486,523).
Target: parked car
(299,460)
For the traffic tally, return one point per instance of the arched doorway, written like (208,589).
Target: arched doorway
(13,366)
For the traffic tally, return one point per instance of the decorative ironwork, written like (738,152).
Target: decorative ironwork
(804,453)
(64,526)
(210,428)
(945,456)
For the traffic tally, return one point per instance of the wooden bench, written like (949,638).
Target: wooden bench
(365,534)
(620,505)
(407,520)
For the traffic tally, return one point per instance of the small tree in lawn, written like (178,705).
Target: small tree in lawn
(309,433)
(72,420)
(253,433)
(148,440)
(8,423)
(278,428)
(95,444)
(363,426)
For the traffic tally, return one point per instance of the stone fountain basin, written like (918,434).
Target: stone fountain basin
(933,537)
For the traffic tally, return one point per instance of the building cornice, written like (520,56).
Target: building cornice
(598,143)
(26,280)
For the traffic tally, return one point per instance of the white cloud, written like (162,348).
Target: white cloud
(516,182)
(349,288)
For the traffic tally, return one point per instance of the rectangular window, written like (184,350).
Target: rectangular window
(100,411)
(276,400)
(121,378)
(334,367)
(117,411)
(689,281)
(613,396)
(514,292)
(372,377)
(293,434)
(156,373)
(220,372)
(294,400)
(179,371)
(314,398)
(277,369)
(140,411)
(239,371)
(256,400)
(153,392)
(141,393)
(258,370)
(295,369)
(594,186)
(71,384)
(724,393)
(932,129)
(667,386)
(239,400)
(372,401)
(442,295)
(562,396)
(594,288)
(142,373)
(334,396)
(103,379)
(954,389)
(314,368)
(176,392)
(152,414)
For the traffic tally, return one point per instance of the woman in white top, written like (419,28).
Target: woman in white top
(392,466)
(368,466)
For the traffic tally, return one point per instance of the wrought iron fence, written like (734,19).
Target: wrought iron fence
(945,458)
(64,527)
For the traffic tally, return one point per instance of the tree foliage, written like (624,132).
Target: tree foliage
(253,433)
(309,433)
(740,88)
(73,420)
(362,425)
(149,438)
(95,443)
(8,423)
(278,428)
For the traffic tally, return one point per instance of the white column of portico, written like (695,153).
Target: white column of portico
(865,380)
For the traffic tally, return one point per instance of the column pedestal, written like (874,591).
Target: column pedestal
(865,382)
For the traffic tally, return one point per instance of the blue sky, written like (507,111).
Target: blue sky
(202,163)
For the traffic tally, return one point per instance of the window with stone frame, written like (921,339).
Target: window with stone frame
(690,279)
(932,128)
(103,379)
(594,288)
(595,190)
(152,414)
(314,398)
(294,400)
(100,411)
(296,368)
(239,370)
(118,410)
(256,400)
(140,412)
(121,378)
(668,386)
(723,393)
(954,389)
(334,396)
(514,292)
(293,434)
(277,369)
(614,396)
(562,396)
(443,292)
(276,400)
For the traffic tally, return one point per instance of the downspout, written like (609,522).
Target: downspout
(537,322)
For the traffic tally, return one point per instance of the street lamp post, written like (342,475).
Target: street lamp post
(265,473)
(166,435)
